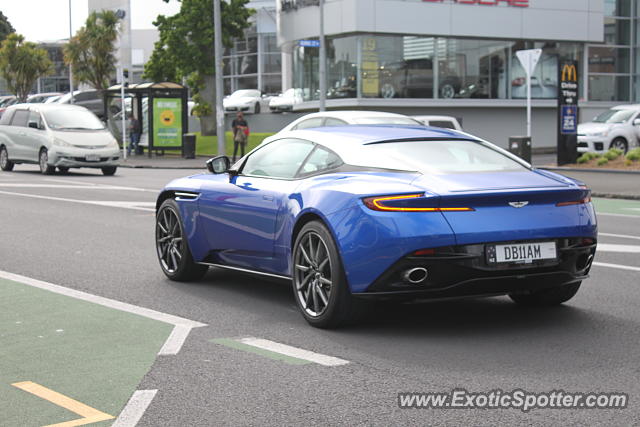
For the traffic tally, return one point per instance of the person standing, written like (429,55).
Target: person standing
(240,129)
(135,129)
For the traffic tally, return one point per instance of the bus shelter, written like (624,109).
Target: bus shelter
(161,109)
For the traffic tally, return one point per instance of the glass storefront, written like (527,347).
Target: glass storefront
(381,66)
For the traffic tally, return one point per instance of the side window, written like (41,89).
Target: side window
(334,122)
(321,159)
(278,159)
(20,118)
(314,122)
(6,117)
(34,117)
(86,96)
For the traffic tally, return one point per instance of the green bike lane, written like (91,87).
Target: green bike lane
(64,359)
(617,206)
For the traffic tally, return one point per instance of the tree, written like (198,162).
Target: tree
(5,27)
(185,47)
(91,51)
(21,63)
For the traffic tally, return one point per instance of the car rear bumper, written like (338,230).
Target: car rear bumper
(464,271)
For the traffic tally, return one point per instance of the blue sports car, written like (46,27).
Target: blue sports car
(354,212)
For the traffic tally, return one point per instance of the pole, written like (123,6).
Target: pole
(124,114)
(217,32)
(70,66)
(529,99)
(322,74)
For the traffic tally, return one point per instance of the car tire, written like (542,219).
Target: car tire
(63,169)
(319,282)
(620,144)
(172,247)
(109,170)
(43,161)
(547,297)
(447,91)
(388,91)
(5,164)
(256,108)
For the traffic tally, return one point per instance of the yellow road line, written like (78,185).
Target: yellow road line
(89,415)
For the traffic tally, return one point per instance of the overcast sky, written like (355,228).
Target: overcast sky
(49,19)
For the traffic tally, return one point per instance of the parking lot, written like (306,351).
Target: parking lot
(233,349)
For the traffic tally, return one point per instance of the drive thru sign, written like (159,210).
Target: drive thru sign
(529,60)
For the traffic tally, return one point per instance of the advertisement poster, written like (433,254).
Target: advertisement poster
(167,122)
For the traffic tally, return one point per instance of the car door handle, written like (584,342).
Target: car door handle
(269,198)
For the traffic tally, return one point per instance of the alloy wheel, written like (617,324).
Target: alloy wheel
(169,240)
(4,158)
(44,158)
(312,274)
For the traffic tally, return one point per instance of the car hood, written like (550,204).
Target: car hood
(79,138)
(281,100)
(591,127)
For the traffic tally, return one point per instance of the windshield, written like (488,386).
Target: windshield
(246,92)
(289,93)
(72,120)
(614,116)
(433,157)
(386,121)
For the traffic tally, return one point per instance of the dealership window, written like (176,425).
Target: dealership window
(609,66)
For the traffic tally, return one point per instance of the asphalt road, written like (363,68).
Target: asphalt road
(94,233)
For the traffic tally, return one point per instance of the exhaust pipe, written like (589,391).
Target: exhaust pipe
(415,275)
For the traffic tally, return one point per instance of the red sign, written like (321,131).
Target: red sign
(514,3)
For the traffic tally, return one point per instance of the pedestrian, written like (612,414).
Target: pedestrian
(135,129)
(240,134)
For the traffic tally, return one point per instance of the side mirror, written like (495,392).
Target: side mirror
(34,125)
(636,122)
(218,164)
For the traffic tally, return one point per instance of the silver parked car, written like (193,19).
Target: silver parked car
(618,128)
(56,136)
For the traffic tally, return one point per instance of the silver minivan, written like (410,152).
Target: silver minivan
(56,136)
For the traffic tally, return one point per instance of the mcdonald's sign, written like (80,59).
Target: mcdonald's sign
(569,73)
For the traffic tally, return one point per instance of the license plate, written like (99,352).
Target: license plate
(92,157)
(523,253)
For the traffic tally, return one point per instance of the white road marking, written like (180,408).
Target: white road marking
(622,236)
(298,353)
(67,181)
(124,205)
(618,266)
(135,408)
(618,215)
(73,186)
(172,345)
(626,249)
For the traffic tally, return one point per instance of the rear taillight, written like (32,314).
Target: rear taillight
(407,203)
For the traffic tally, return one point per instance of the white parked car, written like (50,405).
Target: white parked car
(56,136)
(286,100)
(343,118)
(446,122)
(618,128)
(245,100)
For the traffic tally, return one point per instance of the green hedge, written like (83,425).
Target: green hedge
(208,145)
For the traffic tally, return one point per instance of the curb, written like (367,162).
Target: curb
(561,168)
(616,196)
(161,167)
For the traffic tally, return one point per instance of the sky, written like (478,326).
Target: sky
(39,20)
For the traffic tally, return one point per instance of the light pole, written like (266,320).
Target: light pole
(217,34)
(322,73)
(70,66)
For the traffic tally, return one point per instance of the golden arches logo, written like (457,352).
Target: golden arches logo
(569,73)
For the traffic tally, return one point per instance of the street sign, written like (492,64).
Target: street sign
(568,94)
(529,59)
(309,43)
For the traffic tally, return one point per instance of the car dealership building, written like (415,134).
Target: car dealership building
(457,57)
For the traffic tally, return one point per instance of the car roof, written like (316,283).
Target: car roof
(351,114)
(430,117)
(334,137)
(627,107)
(46,107)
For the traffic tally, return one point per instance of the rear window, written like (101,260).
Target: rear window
(442,124)
(433,157)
